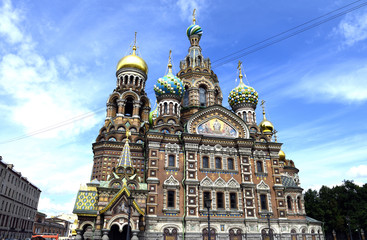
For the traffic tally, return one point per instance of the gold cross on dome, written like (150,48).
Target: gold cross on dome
(193,16)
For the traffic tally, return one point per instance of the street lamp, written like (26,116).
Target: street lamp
(208,204)
(268,214)
(130,200)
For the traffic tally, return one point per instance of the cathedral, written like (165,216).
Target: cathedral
(190,168)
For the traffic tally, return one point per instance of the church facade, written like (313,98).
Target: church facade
(162,164)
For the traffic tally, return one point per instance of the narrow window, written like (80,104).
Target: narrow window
(220,203)
(205,162)
(171,161)
(264,205)
(202,96)
(289,203)
(244,116)
(218,163)
(165,108)
(129,107)
(170,199)
(299,203)
(230,164)
(186,97)
(206,195)
(259,165)
(233,200)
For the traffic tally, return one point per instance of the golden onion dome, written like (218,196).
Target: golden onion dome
(265,125)
(133,61)
(281,155)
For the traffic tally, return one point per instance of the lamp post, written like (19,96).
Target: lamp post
(208,203)
(130,201)
(269,229)
(348,224)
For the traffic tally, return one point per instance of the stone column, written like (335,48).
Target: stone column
(105,234)
(135,235)
(120,106)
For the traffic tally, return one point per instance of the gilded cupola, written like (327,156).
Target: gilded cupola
(265,125)
(281,155)
(133,61)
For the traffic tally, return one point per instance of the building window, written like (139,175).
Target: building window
(186,97)
(289,203)
(206,195)
(165,108)
(233,200)
(205,162)
(170,199)
(299,203)
(171,161)
(202,96)
(264,205)
(220,202)
(259,166)
(230,164)
(218,163)
(129,106)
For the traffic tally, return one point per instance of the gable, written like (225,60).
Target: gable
(217,121)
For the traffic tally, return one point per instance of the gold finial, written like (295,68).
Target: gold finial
(263,106)
(275,135)
(169,62)
(193,16)
(239,67)
(128,134)
(134,47)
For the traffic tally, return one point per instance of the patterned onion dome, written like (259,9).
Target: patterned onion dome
(242,94)
(133,61)
(281,155)
(153,115)
(194,29)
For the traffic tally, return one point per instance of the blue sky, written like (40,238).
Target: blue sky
(58,61)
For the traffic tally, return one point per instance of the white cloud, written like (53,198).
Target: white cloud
(341,83)
(358,172)
(187,7)
(51,208)
(353,28)
(9,19)
(43,87)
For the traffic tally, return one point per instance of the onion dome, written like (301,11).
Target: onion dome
(153,115)
(133,61)
(242,93)
(169,84)
(281,155)
(265,125)
(194,29)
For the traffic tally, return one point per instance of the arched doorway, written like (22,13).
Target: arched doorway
(267,234)
(293,234)
(212,234)
(170,234)
(235,234)
(115,233)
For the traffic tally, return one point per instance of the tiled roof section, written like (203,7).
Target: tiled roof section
(125,159)
(288,182)
(86,202)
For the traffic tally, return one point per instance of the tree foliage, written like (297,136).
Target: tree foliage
(339,206)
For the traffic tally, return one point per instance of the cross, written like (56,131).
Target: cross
(193,16)
(275,135)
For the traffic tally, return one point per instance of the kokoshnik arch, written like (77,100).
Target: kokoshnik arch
(187,149)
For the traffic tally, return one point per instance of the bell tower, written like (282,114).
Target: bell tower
(200,82)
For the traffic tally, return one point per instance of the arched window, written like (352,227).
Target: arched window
(171,160)
(216,96)
(293,234)
(264,205)
(259,166)
(205,162)
(253,116)
(233,200)
(165,131)
(129,106)
(299,203)
(212,234)
(170,233)
(218,163)
(244,116)
(186,97)
(220,200)
(230,164)
(165,108)
(235,234)
(289,203)
(202,96)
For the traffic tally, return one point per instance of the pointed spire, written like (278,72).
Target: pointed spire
(194,17)
(169,62)
(125,159)
(275,136)
(263,106)
(134,47)
(239,67)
